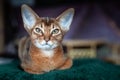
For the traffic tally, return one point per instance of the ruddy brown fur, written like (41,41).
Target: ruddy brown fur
(42,51)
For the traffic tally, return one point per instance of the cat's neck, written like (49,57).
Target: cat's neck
(46,53)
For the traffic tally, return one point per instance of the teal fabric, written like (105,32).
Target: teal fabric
(82,69)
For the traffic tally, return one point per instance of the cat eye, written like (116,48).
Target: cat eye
(55,31)
(38,30)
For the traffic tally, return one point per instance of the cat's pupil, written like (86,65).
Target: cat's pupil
(37,29)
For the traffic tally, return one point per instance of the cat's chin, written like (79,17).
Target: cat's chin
(46,46)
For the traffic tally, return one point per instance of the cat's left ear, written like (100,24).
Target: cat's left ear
(29,17)
(65,19)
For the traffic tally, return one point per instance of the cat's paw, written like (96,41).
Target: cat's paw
(30,71)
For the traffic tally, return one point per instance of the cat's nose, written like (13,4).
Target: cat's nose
(47,39)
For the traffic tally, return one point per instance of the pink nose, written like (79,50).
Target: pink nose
(47,39)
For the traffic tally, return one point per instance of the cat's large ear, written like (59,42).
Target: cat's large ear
(65,19)
(29,17)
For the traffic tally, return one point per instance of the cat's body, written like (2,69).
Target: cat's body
(38,61)
(42,51)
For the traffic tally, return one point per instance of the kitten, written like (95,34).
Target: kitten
(42,51)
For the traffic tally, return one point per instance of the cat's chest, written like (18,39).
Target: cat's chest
(45,58)
(42,54)
(47,53)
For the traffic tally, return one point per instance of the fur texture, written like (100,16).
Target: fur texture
(42,51)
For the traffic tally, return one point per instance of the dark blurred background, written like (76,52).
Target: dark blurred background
(92,21)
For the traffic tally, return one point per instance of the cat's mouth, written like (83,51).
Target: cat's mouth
(47,45)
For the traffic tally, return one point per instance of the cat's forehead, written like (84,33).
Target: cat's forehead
(46,21)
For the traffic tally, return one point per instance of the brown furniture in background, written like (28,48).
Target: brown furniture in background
(82,48)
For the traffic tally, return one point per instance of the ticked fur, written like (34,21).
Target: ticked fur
(42,51)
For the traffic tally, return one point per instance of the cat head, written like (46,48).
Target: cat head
(46,33)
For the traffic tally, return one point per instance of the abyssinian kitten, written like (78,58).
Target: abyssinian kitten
(42,51)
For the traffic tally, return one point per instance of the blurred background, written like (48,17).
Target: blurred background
(94,33)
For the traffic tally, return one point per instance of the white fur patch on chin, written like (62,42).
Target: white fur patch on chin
(43,46)
(47,50)
(48,53)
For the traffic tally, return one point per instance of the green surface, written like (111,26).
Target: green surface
(82,69)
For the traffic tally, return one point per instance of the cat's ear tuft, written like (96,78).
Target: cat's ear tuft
(29,16)
(65,19)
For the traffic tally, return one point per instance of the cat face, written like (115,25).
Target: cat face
(46,33)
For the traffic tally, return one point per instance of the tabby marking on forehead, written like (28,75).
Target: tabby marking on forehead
(47,21)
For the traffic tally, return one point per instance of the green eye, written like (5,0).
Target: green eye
(38,30)
(55,31)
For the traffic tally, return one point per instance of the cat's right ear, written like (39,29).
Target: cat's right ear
(65,19)
(29,17)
